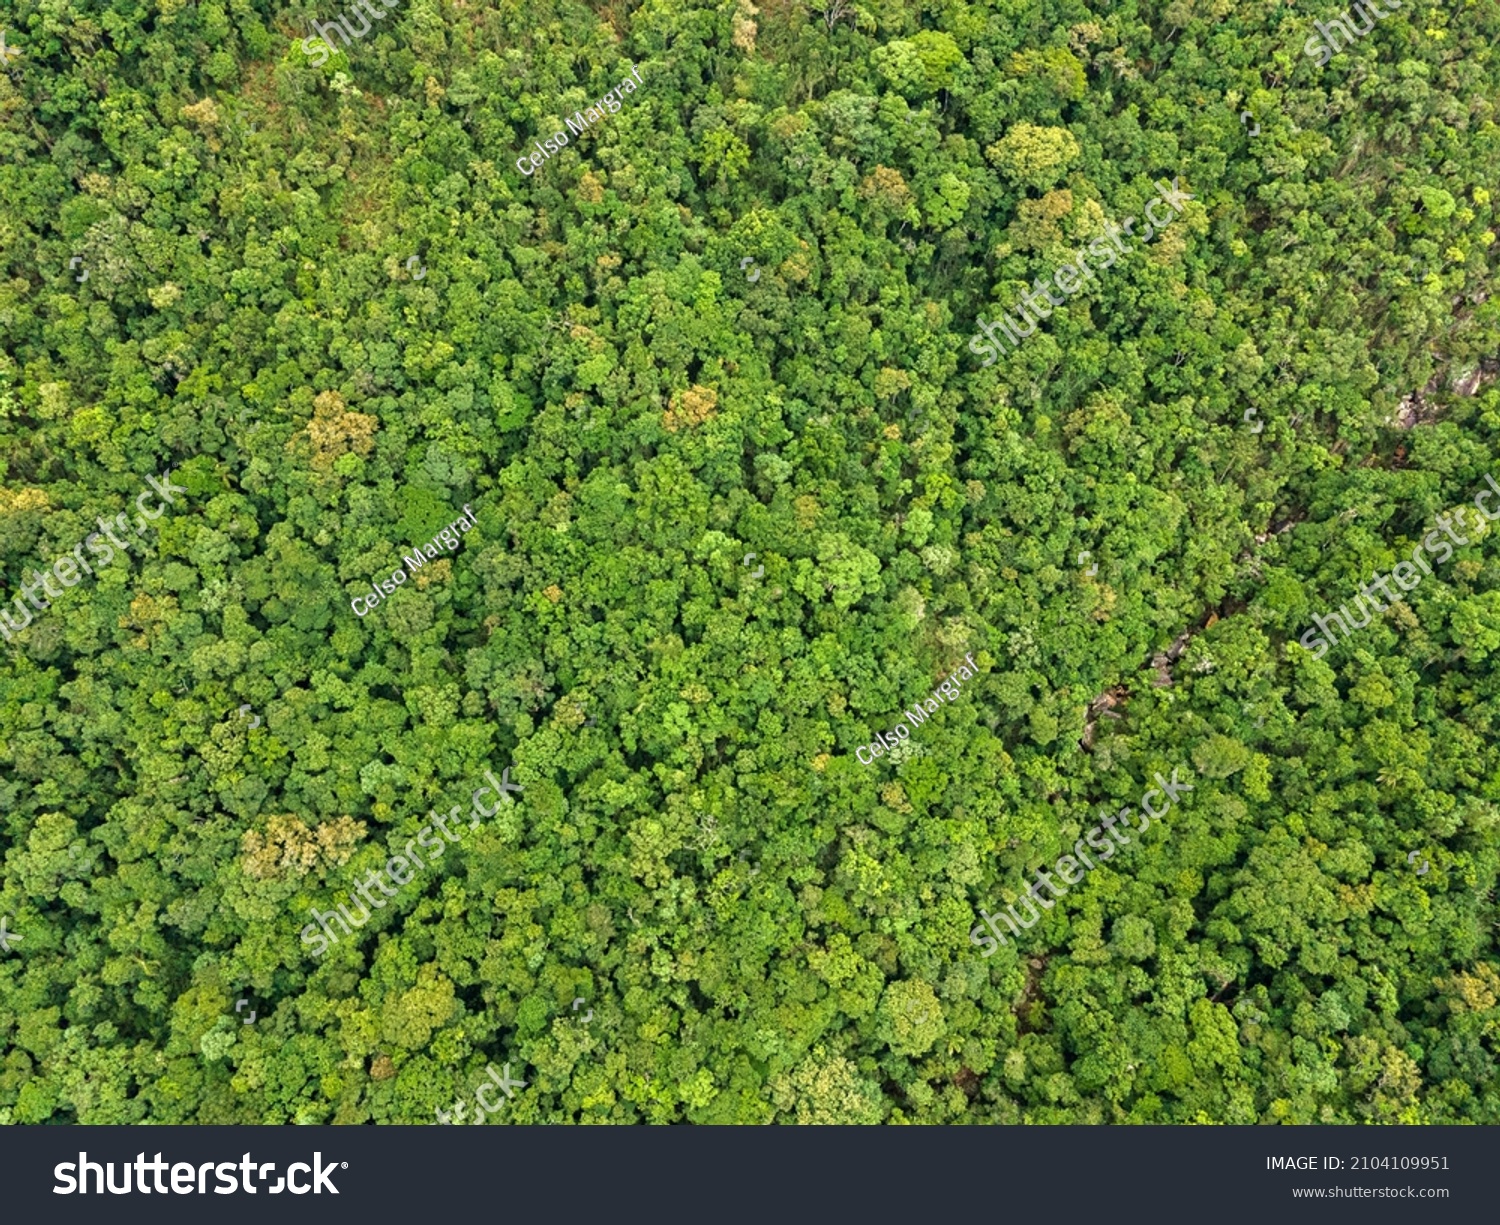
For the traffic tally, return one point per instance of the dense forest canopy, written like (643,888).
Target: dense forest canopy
(699,378)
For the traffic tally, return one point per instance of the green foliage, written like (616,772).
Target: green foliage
(202,743)
(1034,156)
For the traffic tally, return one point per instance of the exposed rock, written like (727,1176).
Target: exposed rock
(1417,409)
(1474,381)
(1100,706)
